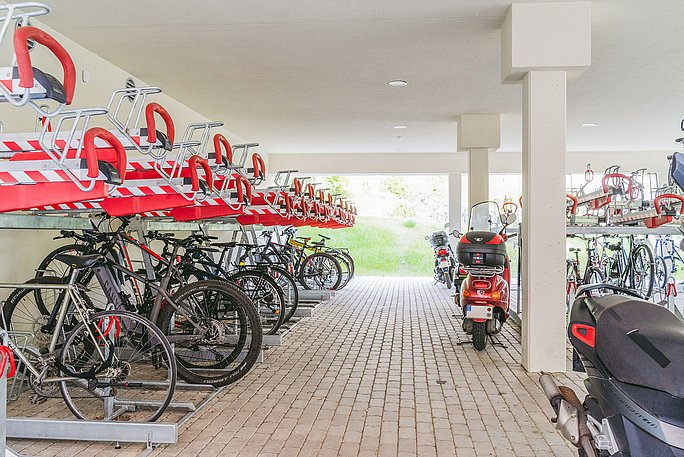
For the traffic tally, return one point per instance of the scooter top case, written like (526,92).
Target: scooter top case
(633,352)
(477,248)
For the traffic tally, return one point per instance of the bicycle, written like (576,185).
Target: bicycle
(592,273)
(104,363)
(316,271)
(196,263)
(631,267)
(214,326)
(667,257)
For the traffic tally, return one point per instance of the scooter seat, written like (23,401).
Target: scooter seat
(640,343)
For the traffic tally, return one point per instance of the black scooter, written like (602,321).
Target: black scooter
(633,353)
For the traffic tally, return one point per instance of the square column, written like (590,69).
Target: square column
(478,176)
(543,249)
(478,134)
(455,207)
(542,46)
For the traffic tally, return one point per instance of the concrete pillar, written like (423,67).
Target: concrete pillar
(543,259)
(479,134)
(478,172)
(543,44)
(455,208)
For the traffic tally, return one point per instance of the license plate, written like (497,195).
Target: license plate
(443,263)
(479,312)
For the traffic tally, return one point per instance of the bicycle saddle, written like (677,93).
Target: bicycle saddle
(575,250)
(79,261)
(324,237)
(229,244)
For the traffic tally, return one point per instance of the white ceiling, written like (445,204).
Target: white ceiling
(311,75)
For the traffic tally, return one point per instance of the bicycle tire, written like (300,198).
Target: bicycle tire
(350,260)
(288,285)
(125,372)
(51,267)
(662,272)
(644,270)
(245,325)
(345,268)
(27,311)
(266,295)
(312,269)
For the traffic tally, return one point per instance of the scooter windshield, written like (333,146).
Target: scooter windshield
(485,217)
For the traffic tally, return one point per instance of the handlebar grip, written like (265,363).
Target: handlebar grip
(244,189)
(21,50)
(91,151)
(152,108)
(259,166)
(575,202)
(204,163)
(220,143)
(297,184)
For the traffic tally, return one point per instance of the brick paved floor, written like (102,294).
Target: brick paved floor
(376,371)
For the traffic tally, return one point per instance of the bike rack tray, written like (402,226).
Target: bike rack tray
(152,434)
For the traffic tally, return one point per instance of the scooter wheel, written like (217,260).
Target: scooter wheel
(479,335)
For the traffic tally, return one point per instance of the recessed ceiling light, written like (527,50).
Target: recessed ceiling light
(589,124)
(398,83)
(399,127)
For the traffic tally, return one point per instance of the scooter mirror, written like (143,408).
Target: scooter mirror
(427,238)
(508,219)
(456,233)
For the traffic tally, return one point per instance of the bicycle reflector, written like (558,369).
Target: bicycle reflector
(442,252)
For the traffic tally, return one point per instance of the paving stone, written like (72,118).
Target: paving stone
(377,371)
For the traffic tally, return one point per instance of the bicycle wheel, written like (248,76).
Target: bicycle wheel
(288,285)
(348,257)
(33,312)
(320,271)
(345,268)
(122,365)
(266,296)
(593,276)
(662,271)
(642,274)
(215,332)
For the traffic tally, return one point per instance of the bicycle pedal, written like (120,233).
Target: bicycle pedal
(37,399)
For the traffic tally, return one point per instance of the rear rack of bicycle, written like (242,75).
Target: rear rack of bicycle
(134,164)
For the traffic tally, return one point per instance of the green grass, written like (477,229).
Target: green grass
(383,247)
(409,224)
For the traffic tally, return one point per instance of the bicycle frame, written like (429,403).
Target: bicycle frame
(72,296)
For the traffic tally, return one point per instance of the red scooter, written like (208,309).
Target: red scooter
(484,295)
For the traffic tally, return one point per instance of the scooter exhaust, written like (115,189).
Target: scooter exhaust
(571,417)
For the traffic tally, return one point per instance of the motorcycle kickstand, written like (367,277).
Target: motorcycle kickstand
(497,343)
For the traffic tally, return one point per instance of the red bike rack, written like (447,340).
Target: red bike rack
(53,186)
